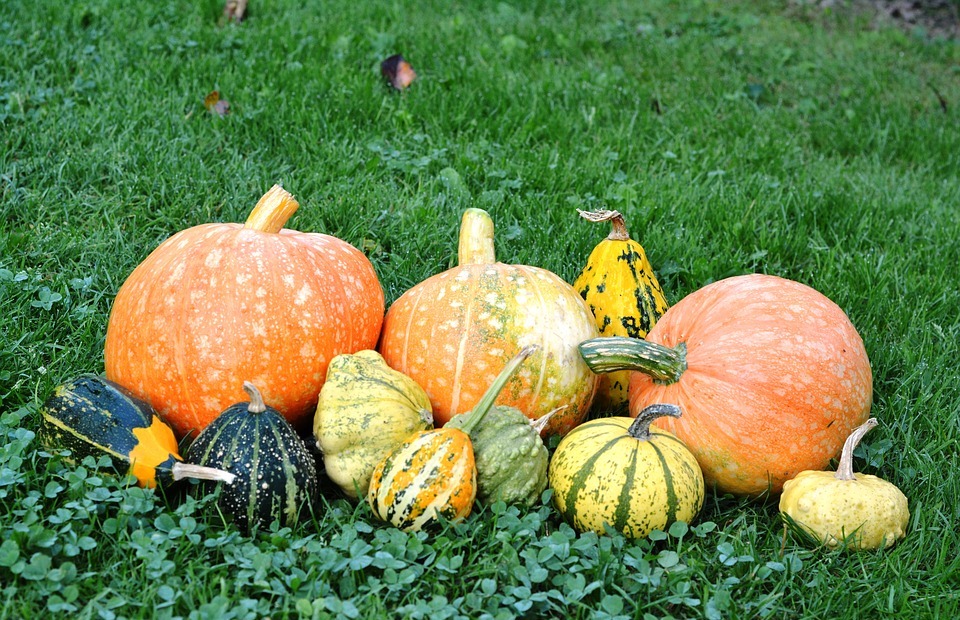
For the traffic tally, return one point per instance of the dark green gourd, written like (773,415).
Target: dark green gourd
(276,475)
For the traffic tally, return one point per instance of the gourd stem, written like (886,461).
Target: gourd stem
(272,211)
(640,429)
(476,239)
(541,423)
(485,404)
(619,232)
(607,354)
(845,469)
(256,399)
(199,472)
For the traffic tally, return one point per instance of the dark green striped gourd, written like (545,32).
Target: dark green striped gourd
(276,475)
(93,416)
(619,472)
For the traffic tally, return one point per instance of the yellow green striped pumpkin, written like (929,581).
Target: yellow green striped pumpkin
(431,474)
(618,472)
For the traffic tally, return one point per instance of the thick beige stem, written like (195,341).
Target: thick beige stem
(476,239)
(272,211)
(845,469)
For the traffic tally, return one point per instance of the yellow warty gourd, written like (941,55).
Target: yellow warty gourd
(857,510)
(620,287)
(366,409)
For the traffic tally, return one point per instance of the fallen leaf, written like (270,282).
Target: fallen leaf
(398,72)
(215,105)
(234,10)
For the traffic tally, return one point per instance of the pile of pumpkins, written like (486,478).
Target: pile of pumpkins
(238,339)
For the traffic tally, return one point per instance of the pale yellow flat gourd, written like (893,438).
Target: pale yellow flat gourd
(859,510)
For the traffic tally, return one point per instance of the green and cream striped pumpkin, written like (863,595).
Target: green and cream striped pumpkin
(618,472)
(275,473)
(431,474)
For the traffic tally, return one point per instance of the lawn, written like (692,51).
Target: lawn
(736,137)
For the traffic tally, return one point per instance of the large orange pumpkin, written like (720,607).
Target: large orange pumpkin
(770,374)
(217,304)
(454,332)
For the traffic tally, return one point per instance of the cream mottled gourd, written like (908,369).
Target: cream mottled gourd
(218,303)
(366,409)
(618,472)
(453,333)
(622,291)
(857,510)
(771,376)
(275,476)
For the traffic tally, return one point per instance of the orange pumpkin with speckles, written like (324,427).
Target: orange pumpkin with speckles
(455,331)
(770,374)
(217,304)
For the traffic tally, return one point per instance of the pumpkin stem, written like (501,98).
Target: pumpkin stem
(476,238)
(485,404)
(256,399)
(619,232)
(272,211)
(541,423)
(610,353)
(845,469)
(199,472)
(640,429)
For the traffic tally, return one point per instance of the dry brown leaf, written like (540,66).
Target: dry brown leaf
(215,105)
(398,72)
(234,10)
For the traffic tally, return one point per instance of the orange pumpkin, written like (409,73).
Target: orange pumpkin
(217,304)
(454,332)
(770,374)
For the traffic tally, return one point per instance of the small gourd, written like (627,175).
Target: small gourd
(366,409)
(618,472)
(93,416)
(275,473)
(857,510)
(437,472)
(511,457)
(622,291)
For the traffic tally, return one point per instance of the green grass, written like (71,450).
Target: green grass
(736,136)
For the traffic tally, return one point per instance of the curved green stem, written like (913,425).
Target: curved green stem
(640,429)
(608,354)
(476,415)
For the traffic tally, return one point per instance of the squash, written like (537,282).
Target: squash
(859,511)
(771,375)
(453,333)
(618,472)
(275,473)
(510,455)
(437,472)
(366,409)
(217,302)
(623,293)
(92,416)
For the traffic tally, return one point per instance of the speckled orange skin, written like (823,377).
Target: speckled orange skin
(454,332)
(219,304)
(777,377)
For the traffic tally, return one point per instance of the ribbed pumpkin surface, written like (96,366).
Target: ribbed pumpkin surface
(455,331)
(776,378)
(217,304)
(275,474)
(601,475)
(432,473)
